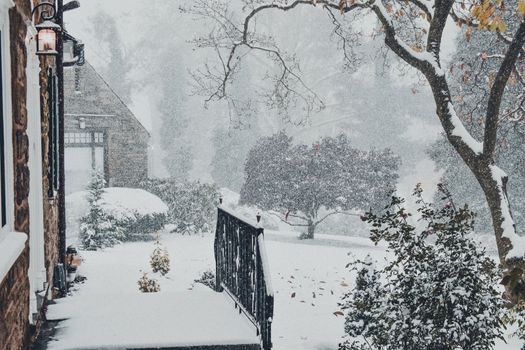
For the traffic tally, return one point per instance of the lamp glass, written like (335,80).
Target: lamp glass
(47,40)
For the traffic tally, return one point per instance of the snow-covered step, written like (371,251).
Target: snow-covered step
(196,320)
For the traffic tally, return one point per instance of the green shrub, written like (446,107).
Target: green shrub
(192,205)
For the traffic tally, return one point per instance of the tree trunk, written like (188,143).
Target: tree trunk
(310,230)
(492,180)
(494,184)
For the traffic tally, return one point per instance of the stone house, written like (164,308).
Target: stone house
(101,133)
(29,233)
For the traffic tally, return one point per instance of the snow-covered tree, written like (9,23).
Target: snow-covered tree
(178,158)
(96,229)
(160,259)
(304,185)
(231,148)
(413,32)
(468,82)
(118,65)
(192,205)
(437,292)
(516,317)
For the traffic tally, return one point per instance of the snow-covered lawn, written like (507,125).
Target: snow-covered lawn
(309,278)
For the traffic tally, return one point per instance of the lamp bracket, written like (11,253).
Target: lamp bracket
(48,13)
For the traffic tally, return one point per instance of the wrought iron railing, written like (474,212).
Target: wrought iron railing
(242,270)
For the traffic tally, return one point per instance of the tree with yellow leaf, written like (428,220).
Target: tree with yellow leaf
(413,31)
(471,73)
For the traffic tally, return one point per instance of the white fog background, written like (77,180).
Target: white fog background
(154,36)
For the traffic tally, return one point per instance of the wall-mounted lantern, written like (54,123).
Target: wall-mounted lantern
(46,43)
(82,123)
(73,51)
(47,30)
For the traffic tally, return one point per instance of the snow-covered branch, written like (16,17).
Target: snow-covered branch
(498,88)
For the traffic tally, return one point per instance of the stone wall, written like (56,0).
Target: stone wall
(127,155)
(89,97)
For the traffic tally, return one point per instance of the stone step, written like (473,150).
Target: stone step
(214,347)
(193,320)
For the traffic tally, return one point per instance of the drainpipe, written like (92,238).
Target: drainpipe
(61,167)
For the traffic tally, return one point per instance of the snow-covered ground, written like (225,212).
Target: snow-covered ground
(309,278)
(151,320)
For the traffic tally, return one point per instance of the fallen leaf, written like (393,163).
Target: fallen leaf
(468,34)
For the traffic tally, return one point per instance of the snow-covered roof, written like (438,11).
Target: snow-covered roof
(93,96)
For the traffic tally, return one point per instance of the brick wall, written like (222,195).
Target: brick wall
(50,204)
(15,330)
(14,290)
(14,306)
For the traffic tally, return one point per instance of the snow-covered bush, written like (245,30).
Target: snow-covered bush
(128,214)
(192,205)
(160,259)
(516,316)
(147,284)
(208,279)
(139,213)
(437,292)
(96,229)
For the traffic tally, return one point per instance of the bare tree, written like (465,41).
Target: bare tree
(413,31)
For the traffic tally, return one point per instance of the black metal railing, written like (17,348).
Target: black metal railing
(242,271)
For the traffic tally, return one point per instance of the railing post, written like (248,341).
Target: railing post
(218,251)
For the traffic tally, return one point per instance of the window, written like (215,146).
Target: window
(6,146)
(85,152)
(53,134)
(83,138)
(98,137)
(3,143)
(12,244)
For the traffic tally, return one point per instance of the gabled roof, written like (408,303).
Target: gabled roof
(94,96)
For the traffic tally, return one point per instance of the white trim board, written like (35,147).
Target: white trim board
(7,112)
(37,268)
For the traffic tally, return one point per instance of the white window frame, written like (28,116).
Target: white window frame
(7,114)
(37,268)
(12,244)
